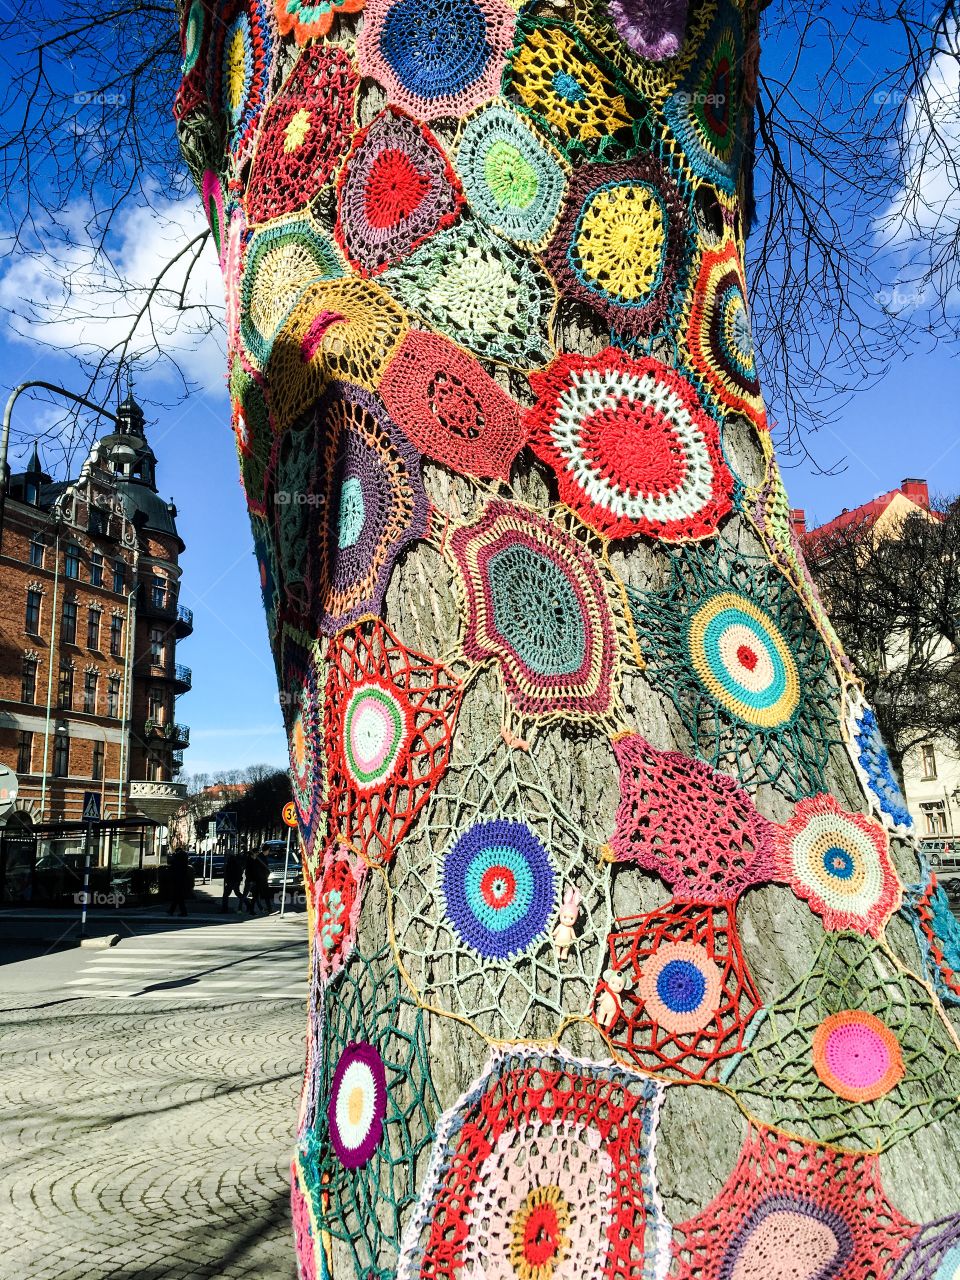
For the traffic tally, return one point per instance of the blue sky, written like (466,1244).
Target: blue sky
(904,425)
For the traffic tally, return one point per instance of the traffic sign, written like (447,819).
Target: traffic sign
(227,823)
(91,806)
(290,814)
(8,789)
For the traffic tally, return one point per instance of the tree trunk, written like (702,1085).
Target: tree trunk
(613,969)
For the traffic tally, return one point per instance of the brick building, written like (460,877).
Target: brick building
(89,625)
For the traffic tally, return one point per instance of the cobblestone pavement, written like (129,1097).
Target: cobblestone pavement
(145,1139)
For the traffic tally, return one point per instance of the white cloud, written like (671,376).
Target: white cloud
(81,299)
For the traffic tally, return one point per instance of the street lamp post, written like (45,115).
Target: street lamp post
(5,429)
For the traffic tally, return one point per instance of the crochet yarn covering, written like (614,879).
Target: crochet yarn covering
(603,853)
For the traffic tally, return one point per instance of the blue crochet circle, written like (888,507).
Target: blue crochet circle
(499,888)
(734,334)
(681,986)
(949,1264)
(839,863)
(352,513)
(536,610)
(756,699)
(436,48)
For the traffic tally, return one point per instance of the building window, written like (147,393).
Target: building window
(71,561)
(24,752)
(96,568)
(28,681)
(90,692)
(68,632)
(119,576)
(155,705)
(116,637)
(113,697)
(65,688)
(61,756)
(158,592)
(32,623)
(928,758)
(157,637)
(935,817)
(98,754)
(93,629)
(36,551)
(154,769)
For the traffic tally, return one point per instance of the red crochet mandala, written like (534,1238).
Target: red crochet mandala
(633,449)
(389,719)
(791,1208)
(688,995)
(450,408)
(692,826)
(306,132)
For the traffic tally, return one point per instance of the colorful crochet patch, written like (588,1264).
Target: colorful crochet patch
(719,337)
(704,115)
(934,1253)
(621,247)
(307,772)
(481,293)
(873,766)
(357,1104)
(545,1167)
(631,446)
(733,647)
(500,905)
(308,21)
(694,828)
(688,995)
(857,1056)
(306,132)
(241,68)
(337,893)
(536,605)
(195,35)
(390,714)
(395,190)
(439,58)
(513,178)
(937,932)
(652,28)
(839,862)
(792,1208)
(450,408)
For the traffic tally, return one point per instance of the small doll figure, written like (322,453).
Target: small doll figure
(608,1010)
(564,933)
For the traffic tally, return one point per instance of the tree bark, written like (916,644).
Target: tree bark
(602,855)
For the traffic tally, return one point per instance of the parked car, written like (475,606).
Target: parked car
(275,852)
(942,853)
(211,864)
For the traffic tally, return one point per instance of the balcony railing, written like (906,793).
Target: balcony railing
(184,621)
(176,734)
(183,676)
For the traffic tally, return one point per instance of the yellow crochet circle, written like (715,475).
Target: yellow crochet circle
(298,126)
(235,78)
(621,241)
(743,660)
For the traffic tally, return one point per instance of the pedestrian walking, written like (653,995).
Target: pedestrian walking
(264,892)
(181,880)
(232,875)
(250,895)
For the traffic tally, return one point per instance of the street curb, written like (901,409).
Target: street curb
(109,940)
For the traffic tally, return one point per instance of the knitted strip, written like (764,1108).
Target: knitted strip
(439,58)
(389,718)
(306,132)
(938,936)
(536,604)
(513,178)
(213,207)
(196,26)
(840,864)
(718,334)
(363,1206)
(688,997)
(337,895)
(545,1167)
(694,828)
(233,264)
(869,757)
(704,114)
(793,1208)
(310,19)
(631,447)
(450,408)
(307,754)
(307,1246)
(499,904)
(269,577)
(856,1053)
(731,645)
(934,1253)
(339,330)
(652,28)
(622,246)
(250,420)
(573,94)
(346,500)
(480,293)
(282,261)
(241,67)
(395,190)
